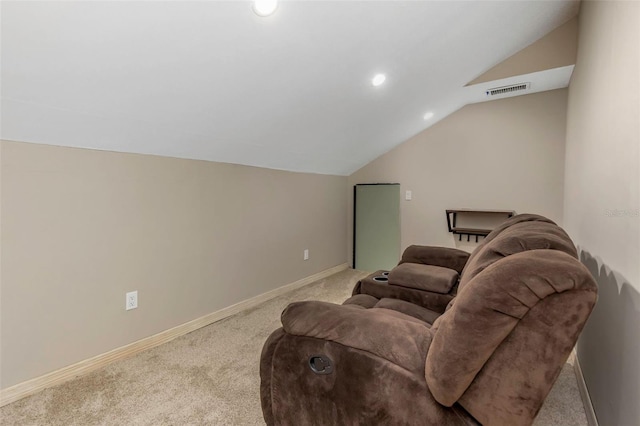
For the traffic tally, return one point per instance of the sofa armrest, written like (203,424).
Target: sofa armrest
(438,256)
(385,333)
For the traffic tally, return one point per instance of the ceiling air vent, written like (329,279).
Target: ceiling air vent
(508,89)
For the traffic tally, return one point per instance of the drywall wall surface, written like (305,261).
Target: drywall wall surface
(81,228)
(505,154)
(554,50)
(602,200)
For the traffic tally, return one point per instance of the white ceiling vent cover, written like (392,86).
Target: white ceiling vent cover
(504,90)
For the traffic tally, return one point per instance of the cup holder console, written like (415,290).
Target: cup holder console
(381,278)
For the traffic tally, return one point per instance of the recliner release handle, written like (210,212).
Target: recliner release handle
(321,364)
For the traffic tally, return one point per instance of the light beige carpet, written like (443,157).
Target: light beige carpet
(210,377)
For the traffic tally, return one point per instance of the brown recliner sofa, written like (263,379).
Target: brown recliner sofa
(484,348)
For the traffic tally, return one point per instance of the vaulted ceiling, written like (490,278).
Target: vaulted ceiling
(214,81)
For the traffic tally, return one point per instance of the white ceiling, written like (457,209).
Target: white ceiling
(213,81)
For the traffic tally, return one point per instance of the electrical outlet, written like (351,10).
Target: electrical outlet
(305,254)
(408,195)
(131,300)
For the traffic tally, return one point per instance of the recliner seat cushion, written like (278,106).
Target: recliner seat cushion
(361,300)
(364,301)
(424,277)
(408,308)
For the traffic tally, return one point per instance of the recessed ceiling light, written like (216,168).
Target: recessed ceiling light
(265,7)
(428,116)
(378,79)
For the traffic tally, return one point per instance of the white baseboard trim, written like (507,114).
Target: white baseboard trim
(21,390)
(584,392)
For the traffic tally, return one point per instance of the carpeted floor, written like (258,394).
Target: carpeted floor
(210,377)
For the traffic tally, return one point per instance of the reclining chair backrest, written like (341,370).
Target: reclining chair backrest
(526,217)
(501,346)
(518,234)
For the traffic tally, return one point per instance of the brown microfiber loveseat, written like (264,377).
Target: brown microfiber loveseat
(487,350)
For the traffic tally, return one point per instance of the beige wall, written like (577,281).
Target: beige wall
(556,49)
(80,228)
(504,154)
(603,201)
